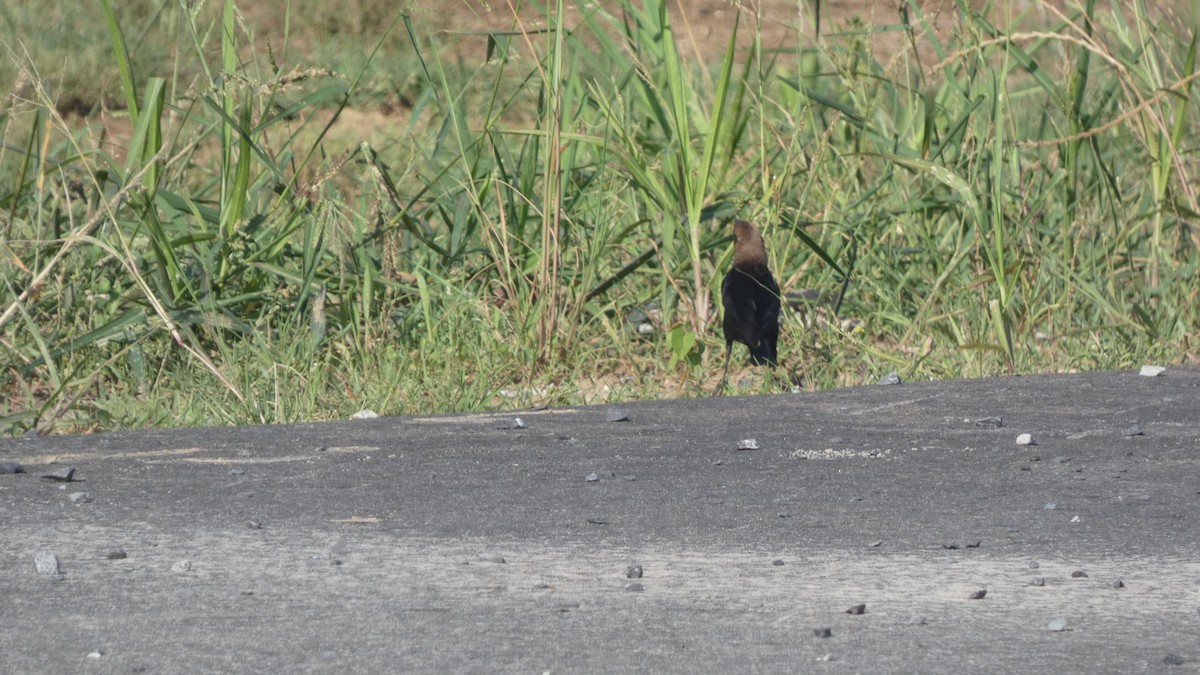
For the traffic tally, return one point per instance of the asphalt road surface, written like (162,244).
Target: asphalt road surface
(462,544)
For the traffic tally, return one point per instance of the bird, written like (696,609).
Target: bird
(751,299)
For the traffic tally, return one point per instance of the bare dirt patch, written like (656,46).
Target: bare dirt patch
(703,26)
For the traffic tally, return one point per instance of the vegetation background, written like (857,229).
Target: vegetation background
(215,212)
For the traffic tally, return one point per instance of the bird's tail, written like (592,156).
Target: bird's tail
(763,354)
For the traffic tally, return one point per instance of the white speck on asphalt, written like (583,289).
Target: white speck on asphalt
(45,562)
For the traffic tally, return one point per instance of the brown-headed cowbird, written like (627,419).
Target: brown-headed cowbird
(751,299)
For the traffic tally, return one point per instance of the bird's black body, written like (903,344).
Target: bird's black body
(751,299)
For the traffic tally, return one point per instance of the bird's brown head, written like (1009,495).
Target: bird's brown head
(748,244)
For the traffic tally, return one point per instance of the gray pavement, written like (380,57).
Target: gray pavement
(454,544)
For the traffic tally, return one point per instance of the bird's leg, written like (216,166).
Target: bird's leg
(728,351)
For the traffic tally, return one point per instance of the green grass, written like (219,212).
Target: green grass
(214,249)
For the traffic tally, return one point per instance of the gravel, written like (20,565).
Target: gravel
(64,474)
(46,562)
(1057,625)
(11,467)
(616,415)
